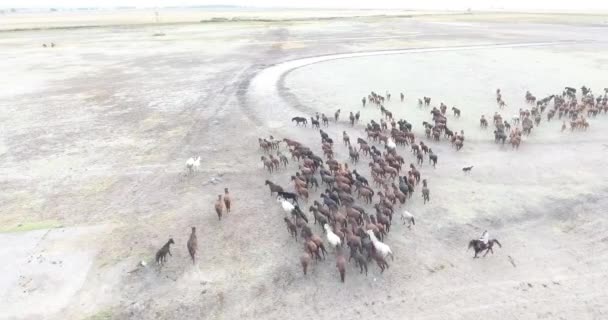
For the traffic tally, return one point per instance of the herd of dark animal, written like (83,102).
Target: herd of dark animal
(337,213)
(223,203)
(566,105)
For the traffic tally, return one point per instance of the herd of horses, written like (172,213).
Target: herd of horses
(353,213)
(567,106)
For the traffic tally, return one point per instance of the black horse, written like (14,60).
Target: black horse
(479,246)
(360,178)
(288,196)
(300,120)
(432,158)
(500,136)
(312,182)
(297,212)
(324,135)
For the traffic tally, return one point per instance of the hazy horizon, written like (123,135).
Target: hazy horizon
(557,5)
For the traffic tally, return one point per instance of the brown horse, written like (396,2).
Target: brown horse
(341,265)
(483,122)
(219,207)
(426,193)
(267,164)
(432,158)
(313,249)
(305,260)
(227,200)
(291,227)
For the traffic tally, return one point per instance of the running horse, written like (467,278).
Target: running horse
(483,243)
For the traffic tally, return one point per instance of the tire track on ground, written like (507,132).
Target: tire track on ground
(293,101)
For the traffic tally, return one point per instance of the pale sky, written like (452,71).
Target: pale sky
(544,5)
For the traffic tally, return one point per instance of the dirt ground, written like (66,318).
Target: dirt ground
(96,131)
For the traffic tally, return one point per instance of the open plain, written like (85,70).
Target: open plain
(95,133)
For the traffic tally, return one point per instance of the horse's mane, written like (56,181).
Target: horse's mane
(472,243)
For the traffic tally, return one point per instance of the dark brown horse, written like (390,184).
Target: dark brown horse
(192,245)
(161,255)
(479,246)
(341,265)
(305,260)
(299,121)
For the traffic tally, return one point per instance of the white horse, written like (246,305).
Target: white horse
(390,144)
(407,216)
(286,205)
(193,164)
(382,248)
(332,238)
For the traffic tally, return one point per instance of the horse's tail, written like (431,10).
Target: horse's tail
(413,220)
(342,275)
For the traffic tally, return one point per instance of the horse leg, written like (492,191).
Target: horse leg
(488,250)
(322,247)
